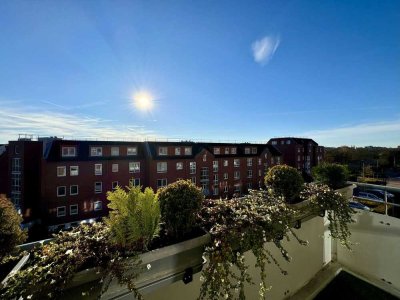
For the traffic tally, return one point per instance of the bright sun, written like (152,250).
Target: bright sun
(143,100)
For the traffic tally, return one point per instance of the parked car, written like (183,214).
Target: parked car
(369,196)
(357,205)
(380,193)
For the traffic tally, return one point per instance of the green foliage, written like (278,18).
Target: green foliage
(51,267)
(284,181)
(180,204)
(11,233)
(333,175)
(339,212)
(236,226)
(134,217)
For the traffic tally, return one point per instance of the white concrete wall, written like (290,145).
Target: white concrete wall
(376,254)
(306,262)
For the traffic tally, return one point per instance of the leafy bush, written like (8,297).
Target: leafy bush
(180,204)
(11,233)
(333,175)
(134,217)
(284,181)
(339,212)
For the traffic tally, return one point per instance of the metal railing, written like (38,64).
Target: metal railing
(386,189)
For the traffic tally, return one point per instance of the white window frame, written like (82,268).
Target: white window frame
(192,167)
(233,150)
(236,162)
(177,150)
(115,151)
(236,175)
(77,190)
(63,170)
(98,169)
(274,142)
(259,172)
(134,181)
(254,150)
(237,187)
(96,151)
(188,150)
(73,207)
(98,191)
(226,150)
(225,176)
(179,165)
(162,167)
(131,151)
(163,182)
(134,167)
(259,162)
(249,173)
(217,150)
(193,180)
(247,150)
(249,185)
(68,151)
(65,191)
(249,162)
(73,170)
(97,205)
(59,214)
(114,168)
(215,166)
(226,162)
(163,151)
(226,189)
(114,185)
(216,190)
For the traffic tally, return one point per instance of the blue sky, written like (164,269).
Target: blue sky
(218,70)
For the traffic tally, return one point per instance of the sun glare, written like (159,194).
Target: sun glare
(143,100)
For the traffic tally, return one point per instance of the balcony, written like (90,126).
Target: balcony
(375,260)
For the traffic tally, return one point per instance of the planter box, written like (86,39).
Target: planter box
(160,267)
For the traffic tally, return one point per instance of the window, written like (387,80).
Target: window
(179,165)
(249,162)
(204,157)
(216,190)
(266,155)
(161,182)
(188,150)
(134,181)
(249,186)
(216,178)
(61,191)
(73,190)
(254,150)
(162,150)
(134,167)
(16,165)
(237,188)
(260,172)
(225,189)
(233,150)
(236,162)
(73,170)
(193,179)
(98,187)
(236,175)
(177,151)
(192,166)
(68,151)
(288,142)
(98,169)
(249,173)
(216,150)
(226,150)
(16,149)
(114,151)
(114,185)
(61,171)
(215,166)
(298,158)
(259,161)
(278,160)
(274,142)
(161,167)
(73,209)
(114,168)
(98,205)
(131,151)
(225,176)
(225,162)
(247,150)
(282,142)
(61,211)
(298,150)
(96,151)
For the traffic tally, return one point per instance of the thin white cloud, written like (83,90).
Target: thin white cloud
(386,134)
(49,123)
(263,49)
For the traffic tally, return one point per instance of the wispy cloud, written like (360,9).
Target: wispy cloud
(366,134)
(263,49)
(49,123)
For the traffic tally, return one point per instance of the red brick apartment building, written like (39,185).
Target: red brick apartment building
(62,182)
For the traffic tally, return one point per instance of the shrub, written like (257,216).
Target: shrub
(134,217)
(180,204)
(11,233)
(284,181)
(333,175)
